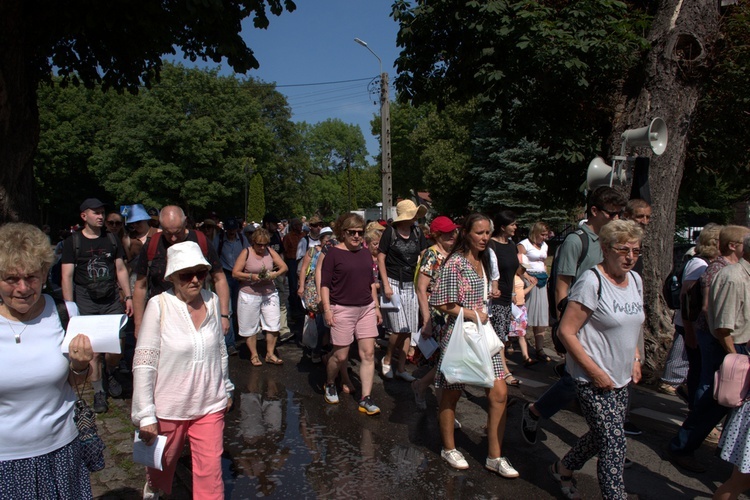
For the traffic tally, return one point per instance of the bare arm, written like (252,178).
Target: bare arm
(423,281)
(325,303)
(562,287)
(724,336)
(123,278)
(222,290)
(387,291)
(67,281)
(238,271)
(302,270)
(139,301)
(469,314)
(279,264)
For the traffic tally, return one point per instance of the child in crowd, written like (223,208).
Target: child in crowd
(521,287)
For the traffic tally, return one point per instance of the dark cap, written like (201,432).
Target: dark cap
(91,203)
(231,224)
(153,212)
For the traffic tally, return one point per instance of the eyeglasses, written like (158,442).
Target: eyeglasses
(611,213)
(352,233)
(625,251)
(187,277)
(114,223)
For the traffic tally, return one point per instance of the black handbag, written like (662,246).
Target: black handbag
(92,446)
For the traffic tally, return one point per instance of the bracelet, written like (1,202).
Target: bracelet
(129,297)
(82,372)
(638,360)
(226,316)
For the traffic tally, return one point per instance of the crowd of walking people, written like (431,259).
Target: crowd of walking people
(192,290)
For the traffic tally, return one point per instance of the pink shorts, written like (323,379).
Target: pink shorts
(352,322)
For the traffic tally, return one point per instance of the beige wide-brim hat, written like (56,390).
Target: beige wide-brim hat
(408,210)
(184,255)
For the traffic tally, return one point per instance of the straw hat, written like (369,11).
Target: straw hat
(407,210)
(184,255)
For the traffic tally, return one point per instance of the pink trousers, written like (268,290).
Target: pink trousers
(206,436)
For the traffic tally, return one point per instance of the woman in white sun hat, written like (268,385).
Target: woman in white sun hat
(181,386)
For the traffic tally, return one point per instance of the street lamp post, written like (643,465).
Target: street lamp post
(385,136)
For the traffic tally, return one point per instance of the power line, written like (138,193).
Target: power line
(322,83)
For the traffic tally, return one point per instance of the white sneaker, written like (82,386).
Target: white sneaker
(404,375)
(386,370)
(454,458)
(501,466)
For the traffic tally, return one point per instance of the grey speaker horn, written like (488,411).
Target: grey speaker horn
(655,136)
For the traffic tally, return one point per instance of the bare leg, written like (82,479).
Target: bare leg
(496,417)
(389,354)
(539,336)
(423,383)
(524,347)
(367,365)
(734,486)
(338,357)
(271,338)
(447,415)
(404,342)
(252,345)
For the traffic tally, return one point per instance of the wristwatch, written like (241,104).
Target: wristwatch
(228,316)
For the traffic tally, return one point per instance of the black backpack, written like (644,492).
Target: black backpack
(552,281)
(672,287)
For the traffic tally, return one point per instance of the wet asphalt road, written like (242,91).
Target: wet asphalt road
(283,441)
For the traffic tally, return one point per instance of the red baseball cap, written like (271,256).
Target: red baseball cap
(442,224)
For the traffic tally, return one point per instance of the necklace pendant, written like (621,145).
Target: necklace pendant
(18,338)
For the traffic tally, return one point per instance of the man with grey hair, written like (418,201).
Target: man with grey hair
(152,263)
(728,321)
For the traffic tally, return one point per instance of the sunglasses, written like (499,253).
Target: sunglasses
(610,213)
(262,245)
(624,251)
(114,223)
(353,233)
(187,277)
(317,224)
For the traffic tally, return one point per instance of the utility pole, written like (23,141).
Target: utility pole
(385,146)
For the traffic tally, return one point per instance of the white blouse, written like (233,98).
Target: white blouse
(537,256)
(179,373)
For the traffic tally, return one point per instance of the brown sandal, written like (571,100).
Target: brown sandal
(255,361)
(274,360)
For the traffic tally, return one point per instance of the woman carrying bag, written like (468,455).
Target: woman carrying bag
(461,285)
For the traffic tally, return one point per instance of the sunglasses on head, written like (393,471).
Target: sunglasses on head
(188,276)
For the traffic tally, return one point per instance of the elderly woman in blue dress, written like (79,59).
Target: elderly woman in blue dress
(40,454)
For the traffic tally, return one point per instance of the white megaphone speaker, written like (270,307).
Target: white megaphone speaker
(654,136)
(600,174)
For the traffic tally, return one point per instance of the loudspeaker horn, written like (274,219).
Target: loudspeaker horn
(655,136)
(600,174)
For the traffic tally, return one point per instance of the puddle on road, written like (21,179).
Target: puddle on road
(281,445)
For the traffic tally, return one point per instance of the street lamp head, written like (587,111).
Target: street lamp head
(361,42)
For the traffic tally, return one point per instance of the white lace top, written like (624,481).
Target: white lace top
(179,373)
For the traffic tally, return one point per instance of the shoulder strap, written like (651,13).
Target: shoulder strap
(584,247)
(76,246)
(153,244)
(62,312)
(221,242)
(637,282)
(113,240)
(599,282)
(202,242)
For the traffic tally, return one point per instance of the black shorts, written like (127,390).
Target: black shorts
(88,306)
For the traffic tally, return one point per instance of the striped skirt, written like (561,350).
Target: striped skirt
(406,319)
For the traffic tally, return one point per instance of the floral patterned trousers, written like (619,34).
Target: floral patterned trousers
(604,411)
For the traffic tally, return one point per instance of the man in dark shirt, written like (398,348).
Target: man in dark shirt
(150,275)
(93,264)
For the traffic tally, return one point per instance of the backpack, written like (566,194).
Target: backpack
(672,288)
(732,380)
(153,244)
(552,280)
(97,290)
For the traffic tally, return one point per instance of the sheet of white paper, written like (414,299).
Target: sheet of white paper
(427,346)
(103,331)
(390,305)
(150,456)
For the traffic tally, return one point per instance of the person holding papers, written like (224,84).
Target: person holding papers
(40,454)
(181,386)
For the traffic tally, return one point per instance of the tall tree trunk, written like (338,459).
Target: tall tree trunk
(19,118)
(682,38)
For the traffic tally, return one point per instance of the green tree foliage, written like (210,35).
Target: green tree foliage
(717,169)
(506,177)
(256,202)
(113,44)
(185,141)
(336,152)
(545,67)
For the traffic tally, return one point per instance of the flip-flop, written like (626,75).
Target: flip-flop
(274,360)
(255,361)
(511,380)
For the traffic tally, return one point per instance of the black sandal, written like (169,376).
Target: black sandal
(568,490)
(542,356)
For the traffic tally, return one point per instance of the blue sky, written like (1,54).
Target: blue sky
(315,44)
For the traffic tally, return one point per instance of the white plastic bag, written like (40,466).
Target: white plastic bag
(310,332)
(467,359)
(494,344)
